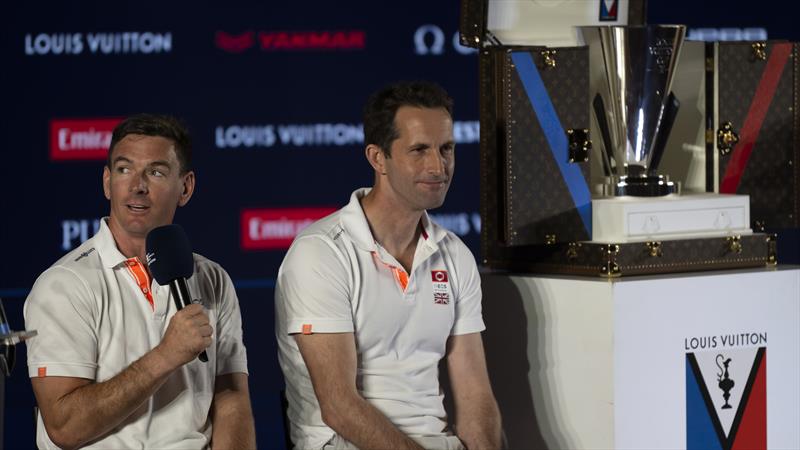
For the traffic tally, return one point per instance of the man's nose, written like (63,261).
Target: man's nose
(139,184)
(436,163)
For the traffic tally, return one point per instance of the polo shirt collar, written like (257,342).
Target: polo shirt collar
(355,224)
(107,246)
(432,232)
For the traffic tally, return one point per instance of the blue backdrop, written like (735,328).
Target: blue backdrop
(272,93)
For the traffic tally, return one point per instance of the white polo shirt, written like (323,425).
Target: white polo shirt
(94,319)
(336,278)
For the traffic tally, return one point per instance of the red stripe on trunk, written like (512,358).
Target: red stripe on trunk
(755,118)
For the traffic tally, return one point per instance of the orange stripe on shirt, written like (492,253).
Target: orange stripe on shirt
(401,276)
(399,273)
(142,278)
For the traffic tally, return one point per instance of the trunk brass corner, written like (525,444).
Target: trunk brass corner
(760,50)
(654,248)
(726,138)
(549,58)
(734,244)
(772,249)
(579,145)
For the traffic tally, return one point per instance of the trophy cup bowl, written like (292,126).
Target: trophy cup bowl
(635,108)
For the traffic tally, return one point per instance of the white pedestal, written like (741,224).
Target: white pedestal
(585,363)
(631,219)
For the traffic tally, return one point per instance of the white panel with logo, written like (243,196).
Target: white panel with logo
(704,360)
(511,21)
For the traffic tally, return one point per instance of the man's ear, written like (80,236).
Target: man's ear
(188,188)
(376,158)
(107,182)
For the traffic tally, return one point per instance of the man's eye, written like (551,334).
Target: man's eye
(123,170)
(157,173)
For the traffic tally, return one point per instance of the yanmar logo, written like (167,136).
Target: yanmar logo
(275,229)
(82,139)
(287,41)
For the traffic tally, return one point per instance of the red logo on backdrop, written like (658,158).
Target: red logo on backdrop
(235,43)
(439,276)
(81,139)
(274,229)
(272,41)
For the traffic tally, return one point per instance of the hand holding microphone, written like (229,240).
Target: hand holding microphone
(188,335)
(169,257)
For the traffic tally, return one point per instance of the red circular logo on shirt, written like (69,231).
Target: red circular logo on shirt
(439,276)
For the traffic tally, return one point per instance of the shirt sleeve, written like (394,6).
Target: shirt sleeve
(231,352)
(62,309)
(313,292)
(468,315)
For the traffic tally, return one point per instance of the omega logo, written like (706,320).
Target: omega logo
(430,40)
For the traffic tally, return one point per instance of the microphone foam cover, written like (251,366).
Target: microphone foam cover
(169,253)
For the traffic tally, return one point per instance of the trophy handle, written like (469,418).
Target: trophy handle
(8,341)
(8,353)
(669,113)
(8,358)
(605,134)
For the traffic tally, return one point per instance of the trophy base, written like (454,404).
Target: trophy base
(634,219)
(643,186)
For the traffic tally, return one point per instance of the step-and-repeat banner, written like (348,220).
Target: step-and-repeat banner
(272,93)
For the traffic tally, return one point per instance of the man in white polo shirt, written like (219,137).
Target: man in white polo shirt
(372,297)
(114,365)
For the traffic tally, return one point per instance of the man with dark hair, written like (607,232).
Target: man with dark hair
(114,364)
(156,125)
(382,106)
(372,297)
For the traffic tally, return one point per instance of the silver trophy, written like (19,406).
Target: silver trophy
(634,106)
